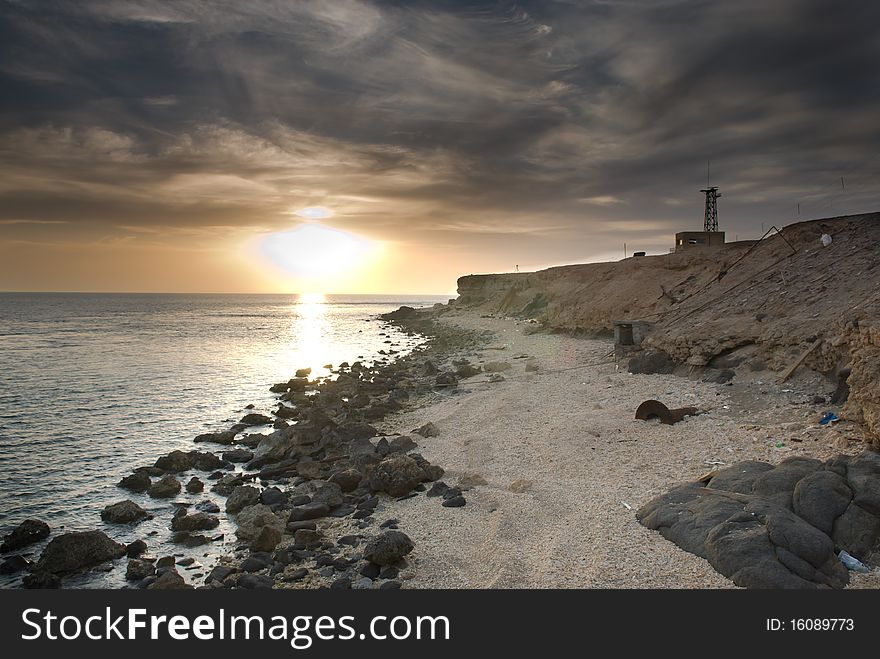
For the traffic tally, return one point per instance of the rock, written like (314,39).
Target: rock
(396,475)
(219,573)
(347,480)
(820,498)
(136,548)
(238,455)
(255,563)
(303,372)
(194,522)
(175,462)
(255,582)
(468,481)
(387,548)
(169,580)
(309,511)
(138,569)
(452,492)
(720,377)
(306,538)
(496,367)
(124,512)
(520,485)
(252,519)
(466,371)
(267,539)
(651,361)
(41,580)
(26,533)
(293,527)
(139,481)
(427,430)
(241,497)
(391,585)
(437,489)
(371,570)
(194,486)
(321,491)
(295,575)
(204,461)
(271,496)
(429,368)
(165,488)
(454,502)
(389,572)
(364,583)
(226,438)
(254,419)
(76,550)
(342,583)
(446,379)
(14,564)
(369,503)
(166,561)
(208,506)
(402,444)
(531,365)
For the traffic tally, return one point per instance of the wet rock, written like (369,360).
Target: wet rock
(166,561)
(347,480)
(26,533)
(165,488)
(14,564)
(238,455)
(204,461)
(241,497)
(175,462)
(208,506)
(139,481)
(41,580)
(76,550)
(138,569)
(169,579)
(194,486)
(194,522)
(124,512)
(454,502)
(226,437)
(136,548)
(388,547)
(396,475)
(254,419)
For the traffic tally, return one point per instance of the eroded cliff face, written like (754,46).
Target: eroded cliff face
(767,301)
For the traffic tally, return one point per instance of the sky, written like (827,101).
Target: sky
(358,146)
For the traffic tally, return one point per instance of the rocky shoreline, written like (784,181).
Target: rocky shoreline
(306,498)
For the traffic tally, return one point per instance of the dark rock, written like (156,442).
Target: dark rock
(136,548)
(454,502)
(175,462)
(342,511)
(306,538)
(166,561)
(267,539)
(429,368)
(226,438)
(26,533)
(194,522)
(370,570)
(208,506)
(391,585)
(124,512)
(139,481)
(138,569)
(309,511)
(296,575)
(447,379)
(396,475)
(76,550)
(300,500)
(427,430)
(388,547)
(721,377)
(14,564)
(820,498)
(342,583)
(254,419)
(256,562)
(350,540)
(740,477)
(437,489)
(238,455)
(241,497)
(369,503)
(194,486)
(651,361)
(271,496)
(347,480)
(204,461)
(293,527)
(41,580)
(165,488)
(219,573)
(169,580)
(389,572)
(402,444)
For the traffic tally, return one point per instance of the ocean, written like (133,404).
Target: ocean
(94,385)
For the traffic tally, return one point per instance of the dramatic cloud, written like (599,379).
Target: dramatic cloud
(466,136)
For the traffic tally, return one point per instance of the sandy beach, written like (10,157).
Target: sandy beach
(559,466)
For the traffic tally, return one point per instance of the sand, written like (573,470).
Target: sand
(560,466)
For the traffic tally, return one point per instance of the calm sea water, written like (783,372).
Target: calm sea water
(94,385)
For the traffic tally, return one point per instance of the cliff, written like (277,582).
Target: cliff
(765,302)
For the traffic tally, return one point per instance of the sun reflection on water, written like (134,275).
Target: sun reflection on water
(310,334)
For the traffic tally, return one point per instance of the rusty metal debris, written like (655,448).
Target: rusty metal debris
(654,409)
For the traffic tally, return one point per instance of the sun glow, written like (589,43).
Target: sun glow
(312,250)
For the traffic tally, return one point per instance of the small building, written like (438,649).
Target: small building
(691,239)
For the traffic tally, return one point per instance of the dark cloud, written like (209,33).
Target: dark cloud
(437,120)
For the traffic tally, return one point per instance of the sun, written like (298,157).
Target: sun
(313,250)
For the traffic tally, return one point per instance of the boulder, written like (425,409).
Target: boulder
(41,580)
(396,475)
(76,550)
(124,512)
(139,481)
(254,419)
(347,480)
(194,486)
(241,497)
(253,519)
(205,461)
(194,522)
(309,511)
(167,487)
(14,564)
(175,462)
(320,491)
(226,437)
(26,533)
(138,569)
(238,455)
(388,548)
(169,579)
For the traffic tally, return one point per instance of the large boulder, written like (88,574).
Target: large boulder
(175,462)
(26,533)
(139,481)
(76,550)
(396,475)
(388,548)
(167,487)
(124,512)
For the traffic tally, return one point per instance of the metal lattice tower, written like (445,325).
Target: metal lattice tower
(711,215)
